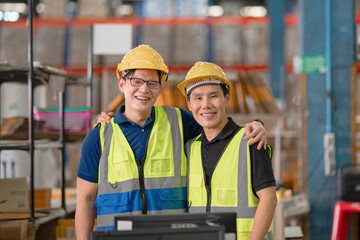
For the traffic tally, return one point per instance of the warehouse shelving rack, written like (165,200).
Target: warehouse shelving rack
(30,74)
(38,77)
(34,76)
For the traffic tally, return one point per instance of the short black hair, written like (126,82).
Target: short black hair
(129,73)
(223,87)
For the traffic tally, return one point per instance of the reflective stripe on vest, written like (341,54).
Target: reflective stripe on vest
(164,170)
(227,193)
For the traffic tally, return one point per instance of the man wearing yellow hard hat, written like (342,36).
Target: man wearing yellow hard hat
(226,174)
(136,164)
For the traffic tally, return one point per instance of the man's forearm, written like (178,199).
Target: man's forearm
(84,220)
(264,215)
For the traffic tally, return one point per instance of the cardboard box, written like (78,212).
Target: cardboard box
(14,195)
(295,205)
(63,226)
(16,230)
(42,198)
(65,229)
(70,193)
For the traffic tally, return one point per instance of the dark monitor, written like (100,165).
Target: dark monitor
(175,221)
(200,233)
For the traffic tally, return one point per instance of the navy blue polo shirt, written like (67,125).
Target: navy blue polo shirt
(136,136)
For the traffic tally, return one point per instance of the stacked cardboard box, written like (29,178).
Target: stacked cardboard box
(93,9)
(158,8)
(70,193)
(172,8)
(65,230)
(256,43)
(13,45)
(190,8)
(42,198)
(227,44)
(181,44)
(16,230)
(159,38)
(79,39)
(54,9)
(14,195)
(14,198)
(50,38)
(191,44)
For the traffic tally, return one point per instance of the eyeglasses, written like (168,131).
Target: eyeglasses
(138,82)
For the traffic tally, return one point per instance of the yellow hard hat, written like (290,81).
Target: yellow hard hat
(142,57)
(203,73)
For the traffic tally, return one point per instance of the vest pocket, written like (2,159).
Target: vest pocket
(197,194)
(224,197)
(160,167)
(119,168)
(173,198)
(112,203)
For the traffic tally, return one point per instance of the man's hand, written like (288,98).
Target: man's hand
(104,118)
(256,131)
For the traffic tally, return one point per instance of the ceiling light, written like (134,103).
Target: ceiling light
(214,11)
(253,11)
(10,16)
(40,8)
(124,10)
(13,7)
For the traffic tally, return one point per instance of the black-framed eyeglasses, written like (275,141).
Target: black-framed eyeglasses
(138,82)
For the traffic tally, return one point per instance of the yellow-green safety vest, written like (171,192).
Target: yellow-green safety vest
(231,187)
(158,185)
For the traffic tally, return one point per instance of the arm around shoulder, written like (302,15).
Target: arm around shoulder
(256,130)
(86,193)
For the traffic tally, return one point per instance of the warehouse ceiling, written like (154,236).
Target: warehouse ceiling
(242,2)
(13,10)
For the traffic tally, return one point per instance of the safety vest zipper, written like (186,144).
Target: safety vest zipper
(208,194)
(141,179)
(142,189)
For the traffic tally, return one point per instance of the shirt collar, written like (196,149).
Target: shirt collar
(227,131)
(121,119)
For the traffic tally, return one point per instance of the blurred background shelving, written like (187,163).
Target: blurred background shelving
(237,35)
